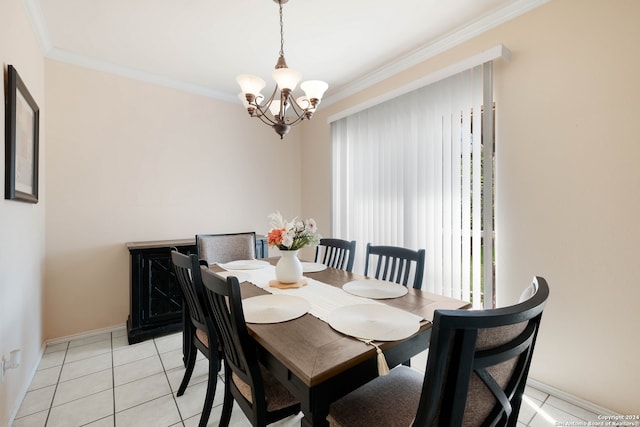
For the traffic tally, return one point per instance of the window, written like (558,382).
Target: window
(417,171)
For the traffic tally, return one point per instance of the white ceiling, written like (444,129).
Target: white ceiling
(201,45)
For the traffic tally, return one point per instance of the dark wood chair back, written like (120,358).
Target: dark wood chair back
(479,362)
(221,248)
(395,264)
(336,253)
(475,376)
(259,395)
(199,327)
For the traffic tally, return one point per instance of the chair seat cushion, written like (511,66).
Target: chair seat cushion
(202,337)
(277,396)
(391,400)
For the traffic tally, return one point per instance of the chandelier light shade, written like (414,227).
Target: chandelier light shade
(281,110)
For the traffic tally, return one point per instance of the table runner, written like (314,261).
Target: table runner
(323,298)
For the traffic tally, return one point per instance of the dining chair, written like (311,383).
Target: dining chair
(395,264)
(221,248)
(529,291)
(200,327)
(476,372)
(262,398)
(336,253)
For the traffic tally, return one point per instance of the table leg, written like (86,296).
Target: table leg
(306,423)
(315,418)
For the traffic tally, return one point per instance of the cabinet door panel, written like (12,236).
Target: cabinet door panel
(161,295)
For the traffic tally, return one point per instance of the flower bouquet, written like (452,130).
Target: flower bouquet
(292,235)
(289,237)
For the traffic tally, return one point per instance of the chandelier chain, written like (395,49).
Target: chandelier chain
(281,31)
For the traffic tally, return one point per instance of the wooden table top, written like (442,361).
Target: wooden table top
(314,351)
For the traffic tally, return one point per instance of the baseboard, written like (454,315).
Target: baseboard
(25,389)
(85,334)
(574,400)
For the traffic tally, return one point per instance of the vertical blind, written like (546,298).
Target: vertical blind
(417,171)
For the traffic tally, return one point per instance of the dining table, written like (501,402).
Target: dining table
(317,363)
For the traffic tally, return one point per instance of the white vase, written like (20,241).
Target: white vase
(288,268)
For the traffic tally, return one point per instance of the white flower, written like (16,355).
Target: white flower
(311,226)
(287,238)
(277,221)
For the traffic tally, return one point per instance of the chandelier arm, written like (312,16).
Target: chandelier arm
(297,107)
(297,121)
(268,102)
(301,112)
(264,113)
(266,117)
(256,111)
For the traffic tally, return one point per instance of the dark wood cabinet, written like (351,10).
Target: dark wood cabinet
(155,306)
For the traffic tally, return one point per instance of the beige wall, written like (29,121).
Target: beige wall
(21,224)
(130,161)
(568,188)
(116,151)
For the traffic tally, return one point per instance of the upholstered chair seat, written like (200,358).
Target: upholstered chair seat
(276,395)
(400,389)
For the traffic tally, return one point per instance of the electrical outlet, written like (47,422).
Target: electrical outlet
(12,363)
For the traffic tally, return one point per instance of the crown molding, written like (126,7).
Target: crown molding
(83,61)
(356,85)
(37,20)
(429,51)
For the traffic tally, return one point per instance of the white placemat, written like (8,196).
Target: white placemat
(376,322)
(273,308)
(244,264)
(374,288)
(312,267)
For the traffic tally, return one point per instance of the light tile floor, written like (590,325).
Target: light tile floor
(102,381)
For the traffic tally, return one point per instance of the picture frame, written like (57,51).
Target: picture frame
(22,128)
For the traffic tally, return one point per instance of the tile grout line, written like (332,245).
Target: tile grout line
(113,382)
(164,369)
(538,413)
(55,390)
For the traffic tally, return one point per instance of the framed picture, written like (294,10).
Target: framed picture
(22,125)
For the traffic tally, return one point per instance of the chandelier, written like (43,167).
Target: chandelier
(281,110)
